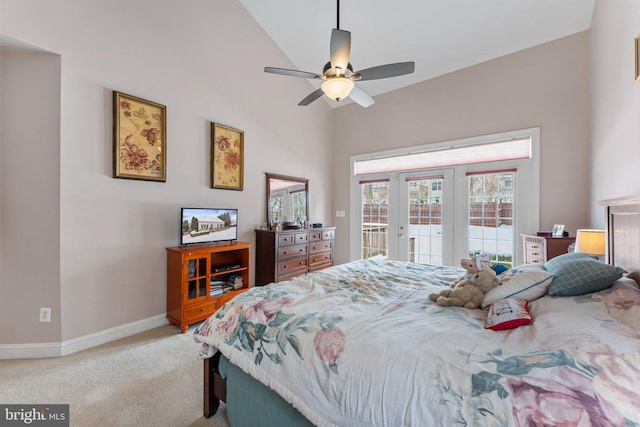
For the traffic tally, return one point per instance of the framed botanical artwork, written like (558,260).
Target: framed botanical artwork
(139,138)
(227,157)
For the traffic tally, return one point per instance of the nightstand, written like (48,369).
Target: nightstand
(540,249)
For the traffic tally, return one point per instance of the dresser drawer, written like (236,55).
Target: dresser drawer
(315,236)
(288,275)
(292,251)
(286,239)
(293,264)
(535,254)
(321,246)
(200,311)
(302,238)
(317,267)
(327,235)
(320,259)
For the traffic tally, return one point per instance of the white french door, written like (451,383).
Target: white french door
(425,220)
(437,203)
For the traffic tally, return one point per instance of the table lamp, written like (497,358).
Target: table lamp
(590,242)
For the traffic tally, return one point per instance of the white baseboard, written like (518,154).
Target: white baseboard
(29,351)
(44,350)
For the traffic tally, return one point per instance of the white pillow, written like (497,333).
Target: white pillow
(528,281)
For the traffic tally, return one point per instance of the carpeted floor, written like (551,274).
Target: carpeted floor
(150,379)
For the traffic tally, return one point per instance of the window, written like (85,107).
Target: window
(375,221)
(491,219)
(481,209)
(460,153)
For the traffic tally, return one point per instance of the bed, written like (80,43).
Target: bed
(360,344)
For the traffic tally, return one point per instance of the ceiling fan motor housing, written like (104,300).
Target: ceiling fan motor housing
(329,72)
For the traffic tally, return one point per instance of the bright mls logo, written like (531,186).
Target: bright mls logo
(34,415)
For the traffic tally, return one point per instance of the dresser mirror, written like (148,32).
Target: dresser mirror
(287,199)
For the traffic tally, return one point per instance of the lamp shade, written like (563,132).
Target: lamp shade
(337,88)
(590,241)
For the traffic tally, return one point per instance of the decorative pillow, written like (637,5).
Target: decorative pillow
(528,281)
(499,268)
(579,274)
(508,314)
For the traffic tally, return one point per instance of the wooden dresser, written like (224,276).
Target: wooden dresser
(282,255)
(540,249)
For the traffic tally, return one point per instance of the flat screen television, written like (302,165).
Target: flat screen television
(207,225)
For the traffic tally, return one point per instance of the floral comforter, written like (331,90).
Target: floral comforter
(360,344)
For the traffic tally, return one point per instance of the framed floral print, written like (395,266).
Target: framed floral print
(139,138)
(227,157)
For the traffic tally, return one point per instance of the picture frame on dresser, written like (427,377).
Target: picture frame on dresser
(558,230)
(227,157)
(139,138)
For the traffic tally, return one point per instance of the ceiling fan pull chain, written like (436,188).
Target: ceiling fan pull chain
(338,15)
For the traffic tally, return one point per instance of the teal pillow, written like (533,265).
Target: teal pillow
(579,274)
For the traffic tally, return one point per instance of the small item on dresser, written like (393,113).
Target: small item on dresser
(316,225)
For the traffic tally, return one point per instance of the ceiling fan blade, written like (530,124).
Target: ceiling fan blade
(311,97)
(361,97)
(384,71)
(292,73)
(340,49)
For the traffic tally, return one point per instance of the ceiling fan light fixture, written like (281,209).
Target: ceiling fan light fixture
(337,88)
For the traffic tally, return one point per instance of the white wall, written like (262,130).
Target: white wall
(29,195)
(545,86)
(615,104)
(204,60)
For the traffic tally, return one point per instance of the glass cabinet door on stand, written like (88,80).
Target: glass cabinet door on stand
(197,277)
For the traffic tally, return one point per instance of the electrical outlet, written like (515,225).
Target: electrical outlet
(45,314)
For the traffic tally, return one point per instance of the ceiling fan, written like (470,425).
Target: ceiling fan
(338,74)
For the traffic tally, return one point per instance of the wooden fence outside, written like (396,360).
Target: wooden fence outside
(483,214)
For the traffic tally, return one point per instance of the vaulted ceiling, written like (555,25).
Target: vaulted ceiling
(441,36)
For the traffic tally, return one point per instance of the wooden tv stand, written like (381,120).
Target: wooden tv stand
(190,271)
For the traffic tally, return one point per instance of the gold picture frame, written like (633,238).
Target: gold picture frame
(637,55)
(227,157)
(139,138)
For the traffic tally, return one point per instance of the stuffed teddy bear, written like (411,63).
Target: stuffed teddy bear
(472,265)
(468,293)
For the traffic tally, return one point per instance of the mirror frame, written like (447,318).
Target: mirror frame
(271,176)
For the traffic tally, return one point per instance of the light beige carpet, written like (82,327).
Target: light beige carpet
(150,379)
